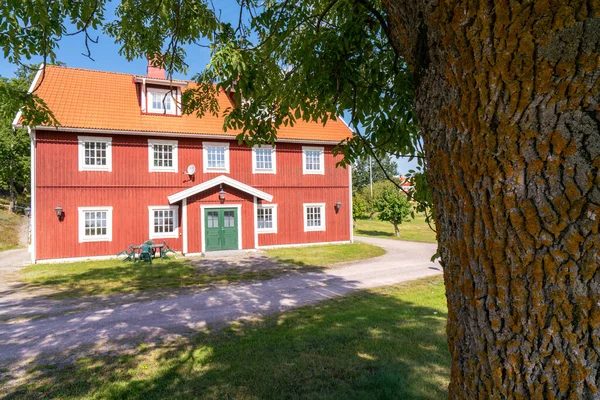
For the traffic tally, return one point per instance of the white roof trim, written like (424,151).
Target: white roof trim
(33,86)
(199,136)
(159,81)
(222,179)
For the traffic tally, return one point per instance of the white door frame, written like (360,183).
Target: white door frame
(239,217)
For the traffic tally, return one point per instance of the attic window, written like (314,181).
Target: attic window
(162,101)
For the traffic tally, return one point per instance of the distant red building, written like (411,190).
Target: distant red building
(125,166)
(405,182)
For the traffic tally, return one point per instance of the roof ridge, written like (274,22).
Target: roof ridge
(111,72)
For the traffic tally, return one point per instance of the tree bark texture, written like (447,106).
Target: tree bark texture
(507,95)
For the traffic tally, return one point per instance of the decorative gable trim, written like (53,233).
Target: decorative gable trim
(222,179)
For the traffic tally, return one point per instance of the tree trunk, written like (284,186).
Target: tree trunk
(11,191)
(396,230)
(507,96)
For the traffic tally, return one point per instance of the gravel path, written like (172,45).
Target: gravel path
(154,319)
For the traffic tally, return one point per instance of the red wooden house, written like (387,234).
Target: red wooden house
(125,166)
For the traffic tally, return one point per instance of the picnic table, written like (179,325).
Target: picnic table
(136,253)
(154,246)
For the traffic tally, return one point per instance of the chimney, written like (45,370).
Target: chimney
(154,72)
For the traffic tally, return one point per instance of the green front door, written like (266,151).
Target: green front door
(221,229)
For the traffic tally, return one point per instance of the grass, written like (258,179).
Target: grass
(388,343)
(321,255)
(115,276)
(415,230)
(90,278)
(9,230)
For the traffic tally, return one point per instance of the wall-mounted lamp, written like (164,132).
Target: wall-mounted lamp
(27,211)
(222,194)
(338,205)
(59,212)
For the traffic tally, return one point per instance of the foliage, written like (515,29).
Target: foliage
(287,61)
(370,201)
(14,143)
(14,158)
(360,171)
(359,206)
(393,206)
(386,343)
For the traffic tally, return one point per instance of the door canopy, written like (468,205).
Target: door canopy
(184,194)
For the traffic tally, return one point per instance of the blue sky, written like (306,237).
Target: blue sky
(106,56)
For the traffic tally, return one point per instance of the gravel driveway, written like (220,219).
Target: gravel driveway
(153,319)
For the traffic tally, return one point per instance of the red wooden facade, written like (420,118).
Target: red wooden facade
(129,188)
(125,108)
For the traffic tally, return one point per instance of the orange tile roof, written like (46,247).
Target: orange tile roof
(108,101)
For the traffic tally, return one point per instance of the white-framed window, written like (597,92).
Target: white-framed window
(95,224)
(314,217)
(216,157)
(263,160)
(162,155)
(163,222)
(95,153)
(162,101)
(313,159)
(266,218)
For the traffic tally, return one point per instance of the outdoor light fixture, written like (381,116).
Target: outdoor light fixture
(338,205)
(27,211)
(222,194)
(59,212)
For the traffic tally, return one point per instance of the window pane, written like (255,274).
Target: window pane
(94,153)
(213,219)
(264,159)
(228,219)
(163,155)
(95,223)
(215,156)
(164,221)
(313,216)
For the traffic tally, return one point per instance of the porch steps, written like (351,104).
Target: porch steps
(224,253)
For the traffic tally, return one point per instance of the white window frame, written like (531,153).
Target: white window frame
(320,171)
(150,97)
(273,169)
(273,208)
(81,144)
(81,221)
(163,235)
(151,166)
(314,228)
(208,169)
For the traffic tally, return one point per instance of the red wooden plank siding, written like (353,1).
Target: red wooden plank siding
(130,189)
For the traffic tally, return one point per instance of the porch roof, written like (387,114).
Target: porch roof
(222,179)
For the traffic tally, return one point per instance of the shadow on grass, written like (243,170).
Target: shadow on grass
(124,277)
(365,232)
(109,284)
(365,346)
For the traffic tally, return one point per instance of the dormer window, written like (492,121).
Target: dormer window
(162,101)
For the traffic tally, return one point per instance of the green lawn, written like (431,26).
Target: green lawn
(388,343)
(415,230)
(9,230)
(115,276)
(322,255)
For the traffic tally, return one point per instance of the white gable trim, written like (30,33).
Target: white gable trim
(32,87)
(222,179)
(198,135)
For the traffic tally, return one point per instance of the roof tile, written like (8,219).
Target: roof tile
(90,99)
